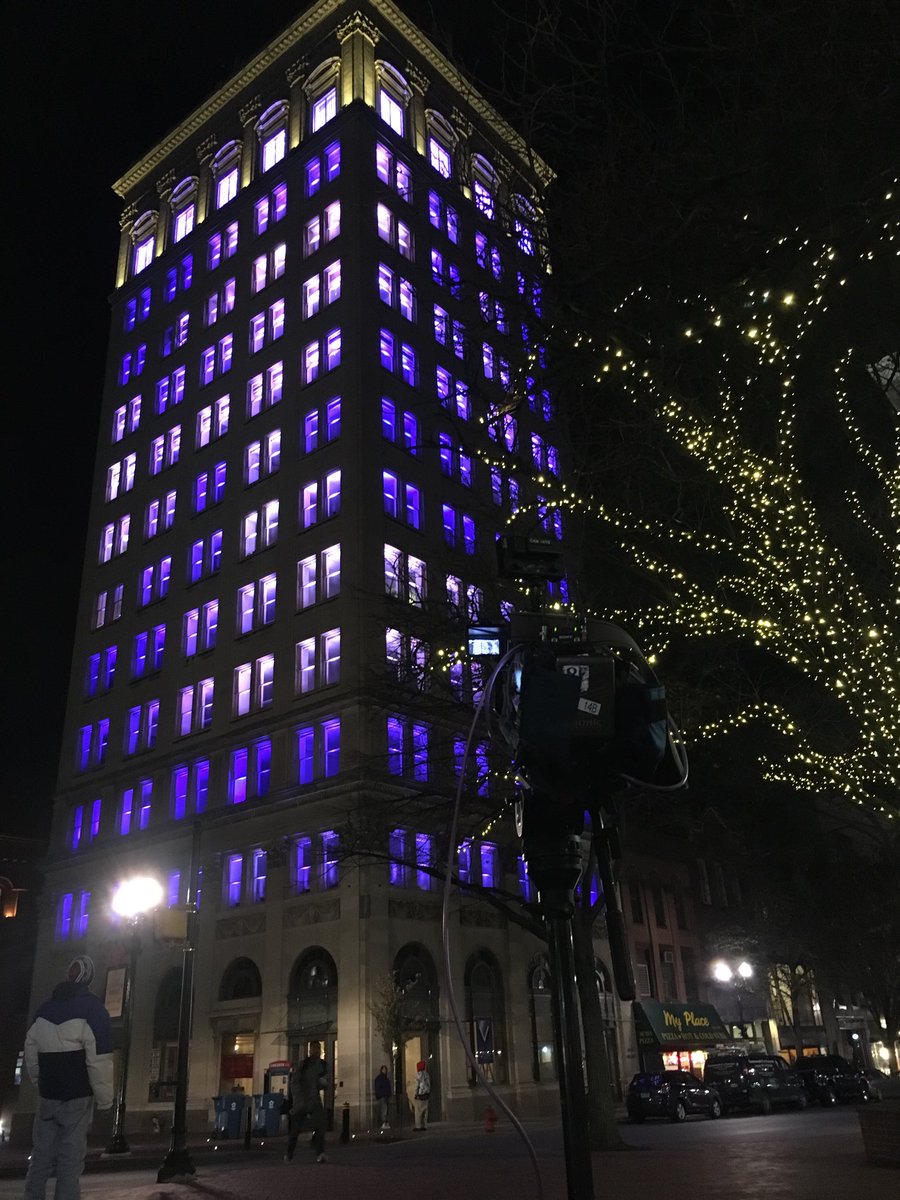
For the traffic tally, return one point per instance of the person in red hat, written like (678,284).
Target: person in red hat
(421,1095)
(68,1054)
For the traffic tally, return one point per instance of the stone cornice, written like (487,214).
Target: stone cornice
(283,45)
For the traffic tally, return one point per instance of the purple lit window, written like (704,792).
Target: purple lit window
(234,871)
(386,349)
(395,745)
(179,792)
(258,879)
(397,853)
(305,755)
(331,746)
(445,451)
(237,776)
(468,527)
(125,811)
(420,755)
(333,419)
(333,350)
(332,161)
(413,507)
(329,844)
(449,524)
(388,420)
(332,493)
(302,864)
(408,364)
(410,433)
(145,803)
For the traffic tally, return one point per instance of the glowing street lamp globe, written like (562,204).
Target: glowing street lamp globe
(135,896)
(744,970)
(722,972)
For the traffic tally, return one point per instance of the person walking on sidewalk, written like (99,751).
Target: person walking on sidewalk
(383,1093)
(421,1095)
(68,1054)
(308,1081)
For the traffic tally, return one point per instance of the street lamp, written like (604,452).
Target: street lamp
(178,1161)
(131,900)
(723,973)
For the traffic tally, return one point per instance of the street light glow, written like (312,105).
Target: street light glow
(722,972)
(745,970)
(135,896)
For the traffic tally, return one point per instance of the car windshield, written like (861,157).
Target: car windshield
(723,1067)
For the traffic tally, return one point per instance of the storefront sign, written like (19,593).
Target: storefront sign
(677,1026)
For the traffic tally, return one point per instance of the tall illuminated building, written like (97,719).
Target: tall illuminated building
(324,398)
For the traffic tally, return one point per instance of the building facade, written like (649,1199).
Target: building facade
(324,399)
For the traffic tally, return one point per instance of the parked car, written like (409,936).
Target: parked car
(876,1080)
(754,1081)
(829,1079)
(671,1094)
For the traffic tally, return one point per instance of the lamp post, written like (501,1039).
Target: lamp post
(741,973)
(131,900)
(178,1160)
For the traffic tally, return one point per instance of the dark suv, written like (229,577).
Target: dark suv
(754,1081)
(671,1094)
(829,1078)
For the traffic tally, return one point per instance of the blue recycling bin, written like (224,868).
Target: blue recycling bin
(268,1117)
(230,1114)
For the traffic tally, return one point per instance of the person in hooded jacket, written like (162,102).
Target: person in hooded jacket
(421,1095)
(68,1055)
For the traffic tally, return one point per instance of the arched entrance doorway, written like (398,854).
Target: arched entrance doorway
(240,996)
(312,1014)
(417,982)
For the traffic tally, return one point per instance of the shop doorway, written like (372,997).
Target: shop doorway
(312,1016)
(419,998)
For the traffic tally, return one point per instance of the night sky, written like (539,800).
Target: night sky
(97,88)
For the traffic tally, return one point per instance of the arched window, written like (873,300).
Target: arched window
(271,129)
(226,172)
(484,1010)
(485,184)
(417,981)
(240,981)
(543,1066)
(322,93)
(392,96)
(184,208)
(442,142)
(144,238)
(313,995)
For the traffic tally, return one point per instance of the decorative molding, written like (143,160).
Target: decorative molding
(240,925)
(165,184)
(481,918)
(313,913)
(297,71)
(207,149)
(418,79)
(358,24)
(462,123)
(413,910)
(128,216)
(250,111)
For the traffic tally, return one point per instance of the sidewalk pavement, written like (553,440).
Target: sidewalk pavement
(457,1160)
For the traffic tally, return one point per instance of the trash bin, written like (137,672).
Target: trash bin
(270,1115)
(230,1114)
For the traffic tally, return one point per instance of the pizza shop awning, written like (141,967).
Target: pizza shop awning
(677,1026)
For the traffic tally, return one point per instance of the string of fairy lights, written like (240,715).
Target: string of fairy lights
(778,580)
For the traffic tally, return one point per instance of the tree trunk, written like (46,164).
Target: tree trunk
(603,1126)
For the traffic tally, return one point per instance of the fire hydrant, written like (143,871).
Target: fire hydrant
(490,1119)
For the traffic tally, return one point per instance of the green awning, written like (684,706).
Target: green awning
(678,1026)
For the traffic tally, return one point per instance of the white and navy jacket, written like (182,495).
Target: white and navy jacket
(68,1049)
